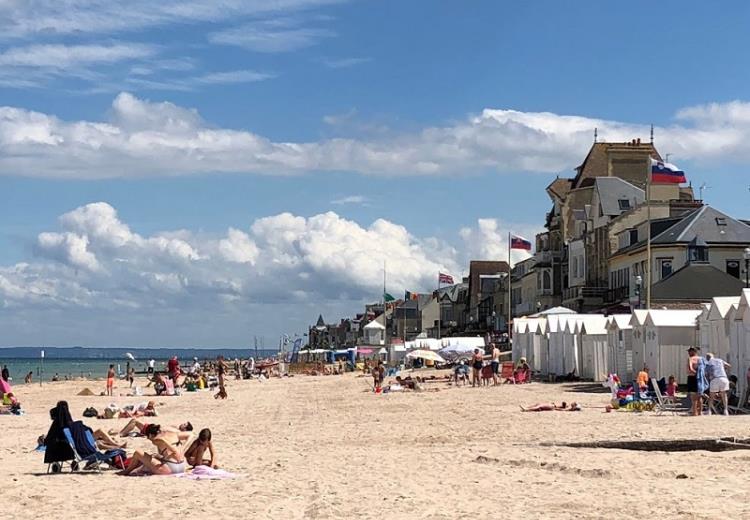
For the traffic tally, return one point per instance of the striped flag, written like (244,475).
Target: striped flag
(517,242)
(445,278)
(664,172)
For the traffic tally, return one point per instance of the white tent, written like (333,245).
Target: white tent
(620,346)
(554,310)
(593,347)
(375,333)
(668,334)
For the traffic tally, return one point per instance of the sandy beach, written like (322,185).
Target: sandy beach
(326,447)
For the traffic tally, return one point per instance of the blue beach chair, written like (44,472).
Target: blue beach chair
(86,452)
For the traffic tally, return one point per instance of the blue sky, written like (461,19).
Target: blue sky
(226,164)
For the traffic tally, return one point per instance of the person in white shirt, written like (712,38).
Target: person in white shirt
(718,382)
(151,363)
(196,368)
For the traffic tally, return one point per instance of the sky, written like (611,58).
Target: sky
(198,172)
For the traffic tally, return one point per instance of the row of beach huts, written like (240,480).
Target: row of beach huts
(591,346)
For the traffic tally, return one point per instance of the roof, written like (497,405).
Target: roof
(451,292)
(672,318)
(708,224)
(613,189)
(639,317)
(553,310)
(320,322)
(375,324)
(744,304)
(620,322)
(696,282)
(593,324)
(560,187)
(720,306)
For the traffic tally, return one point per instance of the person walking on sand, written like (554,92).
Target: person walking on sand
(495,363)
(718,382)
(477,362)
(110,380)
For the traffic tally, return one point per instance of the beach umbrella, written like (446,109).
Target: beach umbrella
(426,354)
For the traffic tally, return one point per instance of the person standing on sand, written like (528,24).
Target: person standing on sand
(692,381)
(718,382)
(495,364)
(477,363)
(110,380)
(131,376)
(221,368)
(150,370)
(28,377)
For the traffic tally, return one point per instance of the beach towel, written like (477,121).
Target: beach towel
(208,473)
(700,374)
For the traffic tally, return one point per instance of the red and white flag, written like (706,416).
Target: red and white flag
(445,278)
(517,242)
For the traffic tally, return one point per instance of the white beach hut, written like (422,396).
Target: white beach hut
(738,318)
(554,331)
(592,346)
(520,340)
(717,326)
(704,335)
(668,335)
(637,322)
(620,346)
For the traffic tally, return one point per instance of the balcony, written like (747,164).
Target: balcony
(585,293)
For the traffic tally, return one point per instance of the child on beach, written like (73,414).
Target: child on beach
(671,389)
(110,380)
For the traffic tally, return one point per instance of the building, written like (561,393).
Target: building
(484,277)
(702,236)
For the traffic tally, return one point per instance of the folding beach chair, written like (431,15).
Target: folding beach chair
(86,454)
(506,372)
(662,404)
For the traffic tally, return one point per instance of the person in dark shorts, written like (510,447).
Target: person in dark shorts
(477,362)
(692,382)
(495,363)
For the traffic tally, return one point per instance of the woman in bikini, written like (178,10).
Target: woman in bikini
(110,379)
(477,363)
(168,460)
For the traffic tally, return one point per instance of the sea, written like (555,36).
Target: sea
(93,363)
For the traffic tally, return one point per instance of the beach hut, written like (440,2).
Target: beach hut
(592,347)
(668,334)
(715,326)
(526,342)
(518,346)
(637,322)
(739,342)
(569,344)
(704,336)
(555,329)
(620,346)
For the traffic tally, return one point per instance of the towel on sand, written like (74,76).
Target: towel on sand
(207,473)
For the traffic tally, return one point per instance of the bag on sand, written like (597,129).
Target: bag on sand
(90,412)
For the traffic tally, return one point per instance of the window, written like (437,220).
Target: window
(547,280)
(665,267)
(633,236)
(733,268)
(721,221)
(624,204)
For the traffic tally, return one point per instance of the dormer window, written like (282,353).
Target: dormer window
(721,221)
(697,251)
(624,204)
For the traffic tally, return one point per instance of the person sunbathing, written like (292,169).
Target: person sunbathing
(138,428)
(105,442)
(168,459)
(552,407)
(196,452)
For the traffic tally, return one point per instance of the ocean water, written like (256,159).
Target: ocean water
(93,363)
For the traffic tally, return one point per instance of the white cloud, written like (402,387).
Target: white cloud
(277,35)
(56,56)
(96,260)
(489,239)
(232,76)
(76,17)
(350,199)
(343,63)
(144,138)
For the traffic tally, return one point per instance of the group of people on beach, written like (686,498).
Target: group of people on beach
(175,448)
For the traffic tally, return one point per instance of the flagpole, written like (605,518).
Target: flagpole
(507,325)
(440,307)
(648,234)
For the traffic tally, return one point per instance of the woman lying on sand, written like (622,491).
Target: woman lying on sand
(138,428)
(196,452)
(168,460)
(552,407)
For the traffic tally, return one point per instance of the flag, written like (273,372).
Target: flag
(388,298)
(408,295)
(517,242)
(445,278)
(664,172)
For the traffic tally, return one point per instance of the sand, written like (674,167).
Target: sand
(325,447)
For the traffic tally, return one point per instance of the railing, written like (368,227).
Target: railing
(574,293)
